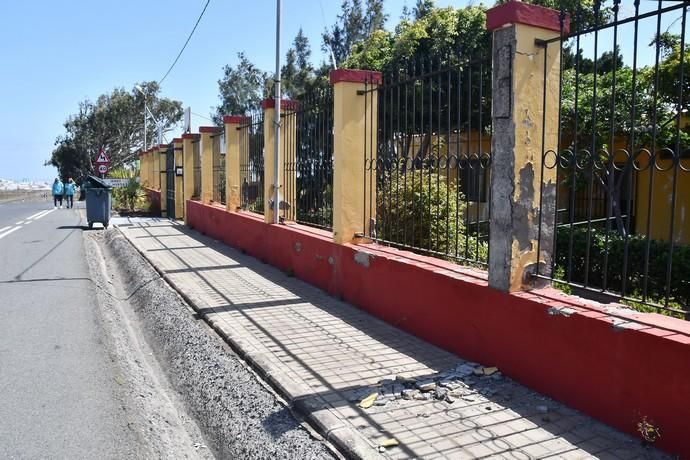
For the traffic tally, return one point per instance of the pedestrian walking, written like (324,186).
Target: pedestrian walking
(58,190)
(69,193)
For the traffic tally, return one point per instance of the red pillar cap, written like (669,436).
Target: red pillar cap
(177,140)
(209,129)
(162,146)
(286,104)
(356,76)
(190,136)
(235,119)
(516,12)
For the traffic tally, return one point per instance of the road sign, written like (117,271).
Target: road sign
(117,182)
(102,158)
(102,169)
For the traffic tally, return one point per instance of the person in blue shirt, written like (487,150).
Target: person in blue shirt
(69,193)
(58,190)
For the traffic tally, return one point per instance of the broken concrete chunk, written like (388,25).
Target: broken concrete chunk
(426,385)
(367,402)
(440,393)
(464,370)
(382,400)
(390,442)
(409,394)
(485,371)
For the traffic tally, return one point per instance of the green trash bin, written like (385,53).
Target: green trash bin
(99,197)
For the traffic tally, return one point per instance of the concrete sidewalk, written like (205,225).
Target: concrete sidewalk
(326,357)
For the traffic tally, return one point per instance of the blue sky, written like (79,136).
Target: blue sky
(56,53)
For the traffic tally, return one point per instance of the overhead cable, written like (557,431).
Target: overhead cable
(185,43)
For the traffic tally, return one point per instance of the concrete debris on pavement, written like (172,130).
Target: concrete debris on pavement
(449,385)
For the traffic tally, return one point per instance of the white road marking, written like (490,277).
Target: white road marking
(13,229)
(31,217)
(21,222)
(4,228)
(45,213)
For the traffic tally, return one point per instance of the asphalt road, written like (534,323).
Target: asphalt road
(59,396)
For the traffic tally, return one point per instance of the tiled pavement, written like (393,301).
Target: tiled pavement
(337,353)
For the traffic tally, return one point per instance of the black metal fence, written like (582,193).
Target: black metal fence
(622,163)
(427,158)
(252,162)
(196,164)
(308,147)
(218,168)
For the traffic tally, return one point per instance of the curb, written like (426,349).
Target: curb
(312,409)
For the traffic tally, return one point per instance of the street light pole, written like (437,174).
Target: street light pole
(276,149)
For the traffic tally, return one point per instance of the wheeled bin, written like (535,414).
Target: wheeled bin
(99,197)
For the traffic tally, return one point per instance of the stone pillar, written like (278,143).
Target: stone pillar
(206,152)
(163,158)
(521,64)
(233,191)
(354,124)
(188,168)
(179,179)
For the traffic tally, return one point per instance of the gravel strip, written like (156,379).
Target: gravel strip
(239,416)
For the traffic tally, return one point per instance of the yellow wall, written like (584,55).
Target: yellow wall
(659,213)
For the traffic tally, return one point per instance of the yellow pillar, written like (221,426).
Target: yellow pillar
(525,74)
(179,179)
(142,170)
(288,145)
(148,167)
(232,161)
(188,168)
(156,158)
(268,107)
(206,152)
(163,157)
(354,124)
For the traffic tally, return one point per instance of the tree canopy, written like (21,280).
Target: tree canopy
(242,88)
(113,122)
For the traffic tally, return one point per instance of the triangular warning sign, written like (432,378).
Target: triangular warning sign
(102,157)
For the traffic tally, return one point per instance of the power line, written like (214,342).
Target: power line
(185,43)
(201,116)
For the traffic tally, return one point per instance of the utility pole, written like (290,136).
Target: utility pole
(276,150)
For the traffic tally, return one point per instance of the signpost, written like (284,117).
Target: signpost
(103,163)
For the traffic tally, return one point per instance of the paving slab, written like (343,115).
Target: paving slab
(327,356)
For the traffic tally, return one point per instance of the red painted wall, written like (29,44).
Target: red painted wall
(618,375)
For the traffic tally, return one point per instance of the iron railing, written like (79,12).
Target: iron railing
(621,164)
(196,164)
(218,169)
(308,146)
(427,158)
(252,162)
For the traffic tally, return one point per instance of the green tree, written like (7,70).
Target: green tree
(241,89)
(297,75)
(438,35)
(113,123)
(354,25)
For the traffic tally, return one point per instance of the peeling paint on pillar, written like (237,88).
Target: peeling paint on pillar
(519,202)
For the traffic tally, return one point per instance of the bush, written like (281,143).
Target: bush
(131,198)
(615,248)
(423,210)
